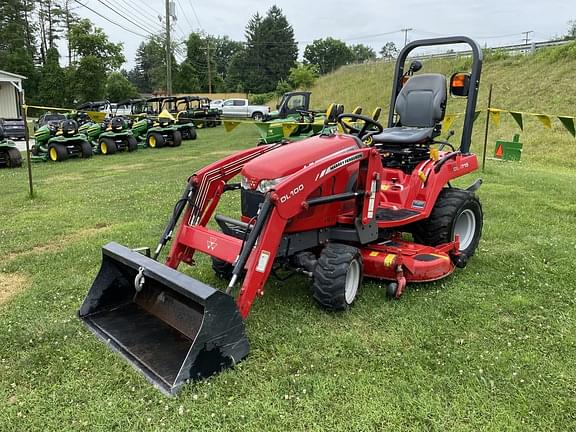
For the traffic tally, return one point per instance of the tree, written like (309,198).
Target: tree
(119,88)
(389,50)
(269,54)
(149,73)
(362,53)
(328,54)
(17,50)
(51,92)
(282,87)
(95,57)
(303,76)
(186,80)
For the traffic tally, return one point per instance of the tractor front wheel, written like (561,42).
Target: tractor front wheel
(337,276)
(57,152)
(155,140)
(456,212)
(107,146)
(222,268)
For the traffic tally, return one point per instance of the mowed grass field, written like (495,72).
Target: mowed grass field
(490,348)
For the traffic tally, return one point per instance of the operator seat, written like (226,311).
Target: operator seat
(420,105)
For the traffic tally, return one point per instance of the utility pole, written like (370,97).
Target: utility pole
(168,52)
(406,30)
(209,69)
(527,36)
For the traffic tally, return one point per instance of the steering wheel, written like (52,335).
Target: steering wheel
(370,127)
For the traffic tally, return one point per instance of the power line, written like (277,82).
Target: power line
(185,15)
(110,21)
(124,16)
(196,15)
(142,16)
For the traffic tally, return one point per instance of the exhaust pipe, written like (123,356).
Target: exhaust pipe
(169,326)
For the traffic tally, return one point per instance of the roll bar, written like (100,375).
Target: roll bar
(477,58)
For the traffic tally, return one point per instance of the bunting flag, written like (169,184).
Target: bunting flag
(494,116)
(448,122)
(517,116)
(568,123)
(96,116)
(230,125)
(288,128)
(545,120)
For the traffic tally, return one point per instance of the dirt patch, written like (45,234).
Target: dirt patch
(10,285)
(126,167)
(64,178)
(59,243)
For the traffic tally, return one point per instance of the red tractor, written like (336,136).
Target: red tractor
(335,207)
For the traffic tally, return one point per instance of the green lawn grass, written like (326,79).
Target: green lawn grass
(490,348)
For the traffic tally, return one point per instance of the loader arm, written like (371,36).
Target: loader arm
(290,198)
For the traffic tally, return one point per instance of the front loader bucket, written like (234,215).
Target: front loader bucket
(173,328)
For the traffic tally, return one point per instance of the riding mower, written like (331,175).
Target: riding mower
(167,104)
(60,142)
(10,156)
(162,132)
(330,207)
(110,136)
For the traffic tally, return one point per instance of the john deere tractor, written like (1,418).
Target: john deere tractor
(10,156)
(60,142)
(197,110)
(111,136)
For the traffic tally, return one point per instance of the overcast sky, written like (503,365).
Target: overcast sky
(490,22)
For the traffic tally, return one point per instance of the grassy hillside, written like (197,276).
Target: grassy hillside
(543,82)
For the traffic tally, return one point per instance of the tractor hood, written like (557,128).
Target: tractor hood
(292,157)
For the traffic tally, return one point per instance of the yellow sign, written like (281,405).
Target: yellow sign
(389,259)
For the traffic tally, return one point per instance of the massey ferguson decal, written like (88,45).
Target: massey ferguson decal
(338,164)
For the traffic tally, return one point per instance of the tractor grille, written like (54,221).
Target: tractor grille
(250,202)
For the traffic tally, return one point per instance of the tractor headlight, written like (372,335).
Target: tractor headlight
(265,185)
(244,183)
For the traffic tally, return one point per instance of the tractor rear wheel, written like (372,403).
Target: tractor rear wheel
(176,139)
(85,149)
(107,146)
(155,140)
(15,158)
(57,152)
(131,144)
(337,276)
(456,212)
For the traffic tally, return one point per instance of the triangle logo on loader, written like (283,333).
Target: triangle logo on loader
(499,152)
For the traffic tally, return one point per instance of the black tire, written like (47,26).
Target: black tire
(193,134)
(14,158)
(155,140)
(257,116)
(131,144)
(85,149)
(336,264)
(176,139)
(107,146)
(57,152)
(210,123)
(453,207)
(222,268)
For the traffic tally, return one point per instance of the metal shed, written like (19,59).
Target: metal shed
(10,86)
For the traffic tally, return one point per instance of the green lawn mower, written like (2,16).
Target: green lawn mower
(10,156)
(59,143)
(110,137)
(162,105)
(163,132)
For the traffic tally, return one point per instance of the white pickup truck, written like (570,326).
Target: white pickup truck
(241,108)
